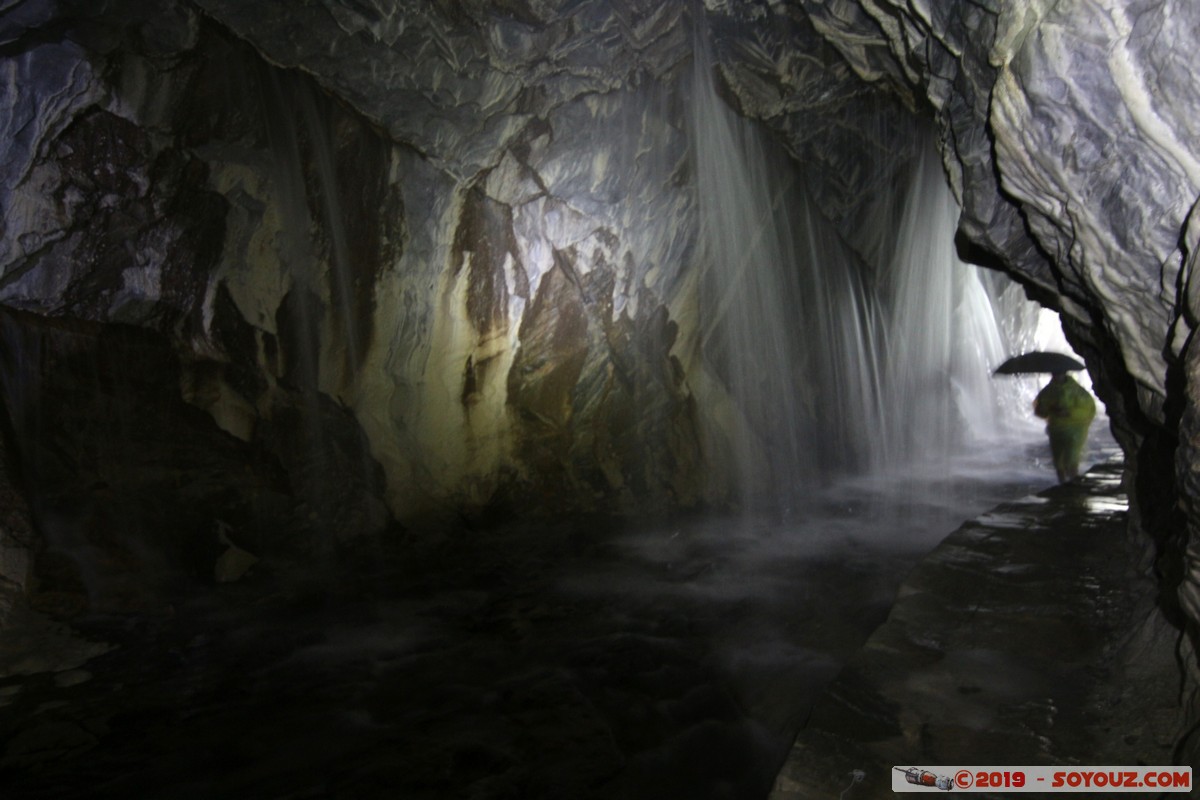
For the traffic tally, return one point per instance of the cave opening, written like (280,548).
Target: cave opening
(532,400)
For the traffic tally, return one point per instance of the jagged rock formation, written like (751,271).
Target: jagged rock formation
(426,257)
(435,262)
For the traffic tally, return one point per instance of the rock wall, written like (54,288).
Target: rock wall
(1069,130)
(448,293)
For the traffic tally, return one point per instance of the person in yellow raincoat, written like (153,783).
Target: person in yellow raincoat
(1068,409)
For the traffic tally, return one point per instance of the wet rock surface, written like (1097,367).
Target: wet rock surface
(584,661)
(1020,640)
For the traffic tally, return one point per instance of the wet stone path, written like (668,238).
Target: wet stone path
(578,661)
(1025,638)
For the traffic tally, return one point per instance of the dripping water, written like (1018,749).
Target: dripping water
(944,337)
(746,293)
(318,331)
(832,365)
(298,121)
(790,321)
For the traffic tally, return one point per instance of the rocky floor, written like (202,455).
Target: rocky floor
(1026,638)
(582,661)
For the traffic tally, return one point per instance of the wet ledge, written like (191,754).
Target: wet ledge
(1028,636)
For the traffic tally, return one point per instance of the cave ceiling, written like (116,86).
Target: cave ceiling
(1043,109)
(459,81)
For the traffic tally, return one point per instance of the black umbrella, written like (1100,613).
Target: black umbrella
(1038,361)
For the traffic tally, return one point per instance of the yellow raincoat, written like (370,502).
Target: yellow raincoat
(1068,409)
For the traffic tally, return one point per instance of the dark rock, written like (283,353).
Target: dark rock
(1036,669)
(129,486)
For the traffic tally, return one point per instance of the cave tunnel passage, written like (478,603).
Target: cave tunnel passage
(503,432)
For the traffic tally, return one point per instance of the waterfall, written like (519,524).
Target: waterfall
(745,292)
(792,345)
(944,336)
(831,365)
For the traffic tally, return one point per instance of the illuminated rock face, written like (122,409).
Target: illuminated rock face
(494,283)
(481,288)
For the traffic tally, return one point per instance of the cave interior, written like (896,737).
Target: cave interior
(550,398)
